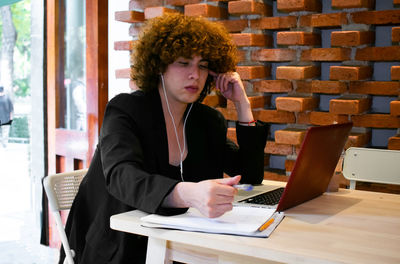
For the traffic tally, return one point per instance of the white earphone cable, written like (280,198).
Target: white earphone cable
(181,151)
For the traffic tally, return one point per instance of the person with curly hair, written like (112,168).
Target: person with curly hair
(160,149)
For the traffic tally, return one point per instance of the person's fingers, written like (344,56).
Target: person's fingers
(222,209)
(221,83)
(224,199)
(224,187)
(230,180)
(212,73)
(226,82)
(218,211)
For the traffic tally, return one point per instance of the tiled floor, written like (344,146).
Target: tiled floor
(19,228)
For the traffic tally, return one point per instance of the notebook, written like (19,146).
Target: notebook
(315,164)
(243,221)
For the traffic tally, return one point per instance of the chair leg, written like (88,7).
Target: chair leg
(352,184)
(66,259)
(64,239)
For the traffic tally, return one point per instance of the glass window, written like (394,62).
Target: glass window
(73,96)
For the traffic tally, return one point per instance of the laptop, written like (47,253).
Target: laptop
(315,164)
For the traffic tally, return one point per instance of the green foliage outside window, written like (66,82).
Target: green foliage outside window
(20,127)
(21,14)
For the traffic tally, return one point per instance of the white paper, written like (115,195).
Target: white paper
(239,221)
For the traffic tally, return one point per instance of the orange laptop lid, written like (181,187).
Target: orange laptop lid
(315,164)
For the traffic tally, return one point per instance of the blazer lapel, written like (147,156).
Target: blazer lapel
(158,131)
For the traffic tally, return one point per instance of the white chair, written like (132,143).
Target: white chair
(371,165)
(61,189)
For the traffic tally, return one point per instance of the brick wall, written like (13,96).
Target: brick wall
(303,63)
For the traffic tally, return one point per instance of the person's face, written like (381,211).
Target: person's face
(185,79)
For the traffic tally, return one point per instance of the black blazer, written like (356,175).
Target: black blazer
(130,170)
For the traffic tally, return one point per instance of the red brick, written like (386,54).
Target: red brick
(341,4)
(289,165)
(141,5)
(151,12)
(358,139)
(253,72)
(129,16)
(181,2)
(278,149)
(275,176)
(206,10)
(296,104)
(379,53)
(297,72)
(249,8)
(394,143)
(234,25)
(251,39)
(229,105)
(297,38)
(231,134)
(302,86)
(349,106)
(123,73)
(352,38)
(123,45)
(255,102)
(231,114)
(290,136)
(377,17)
(328,87)
(396,34)
(395,72)
(325,118)
(350,73)
(259,101)
(213,100)
(228,113)
(375,88)
(274,116)
(243,55)
(274,22)
(273,55)
(272,86)
(324,20)
(303,118)
(326,54)
(376,120)
(299,5)
(395,108)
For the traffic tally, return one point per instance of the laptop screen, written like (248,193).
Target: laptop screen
(315,164)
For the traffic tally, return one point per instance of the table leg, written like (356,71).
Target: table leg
(156,251)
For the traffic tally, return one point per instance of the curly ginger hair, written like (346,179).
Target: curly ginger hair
(166,38)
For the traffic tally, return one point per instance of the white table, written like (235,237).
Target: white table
(348,226)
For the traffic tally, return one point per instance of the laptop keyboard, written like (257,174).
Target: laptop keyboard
(268,198)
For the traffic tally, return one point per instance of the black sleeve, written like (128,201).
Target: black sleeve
(123,162)
(247,159)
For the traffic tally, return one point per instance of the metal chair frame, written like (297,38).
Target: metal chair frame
(61,189)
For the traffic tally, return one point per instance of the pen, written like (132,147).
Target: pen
(266,224)
(244,187)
